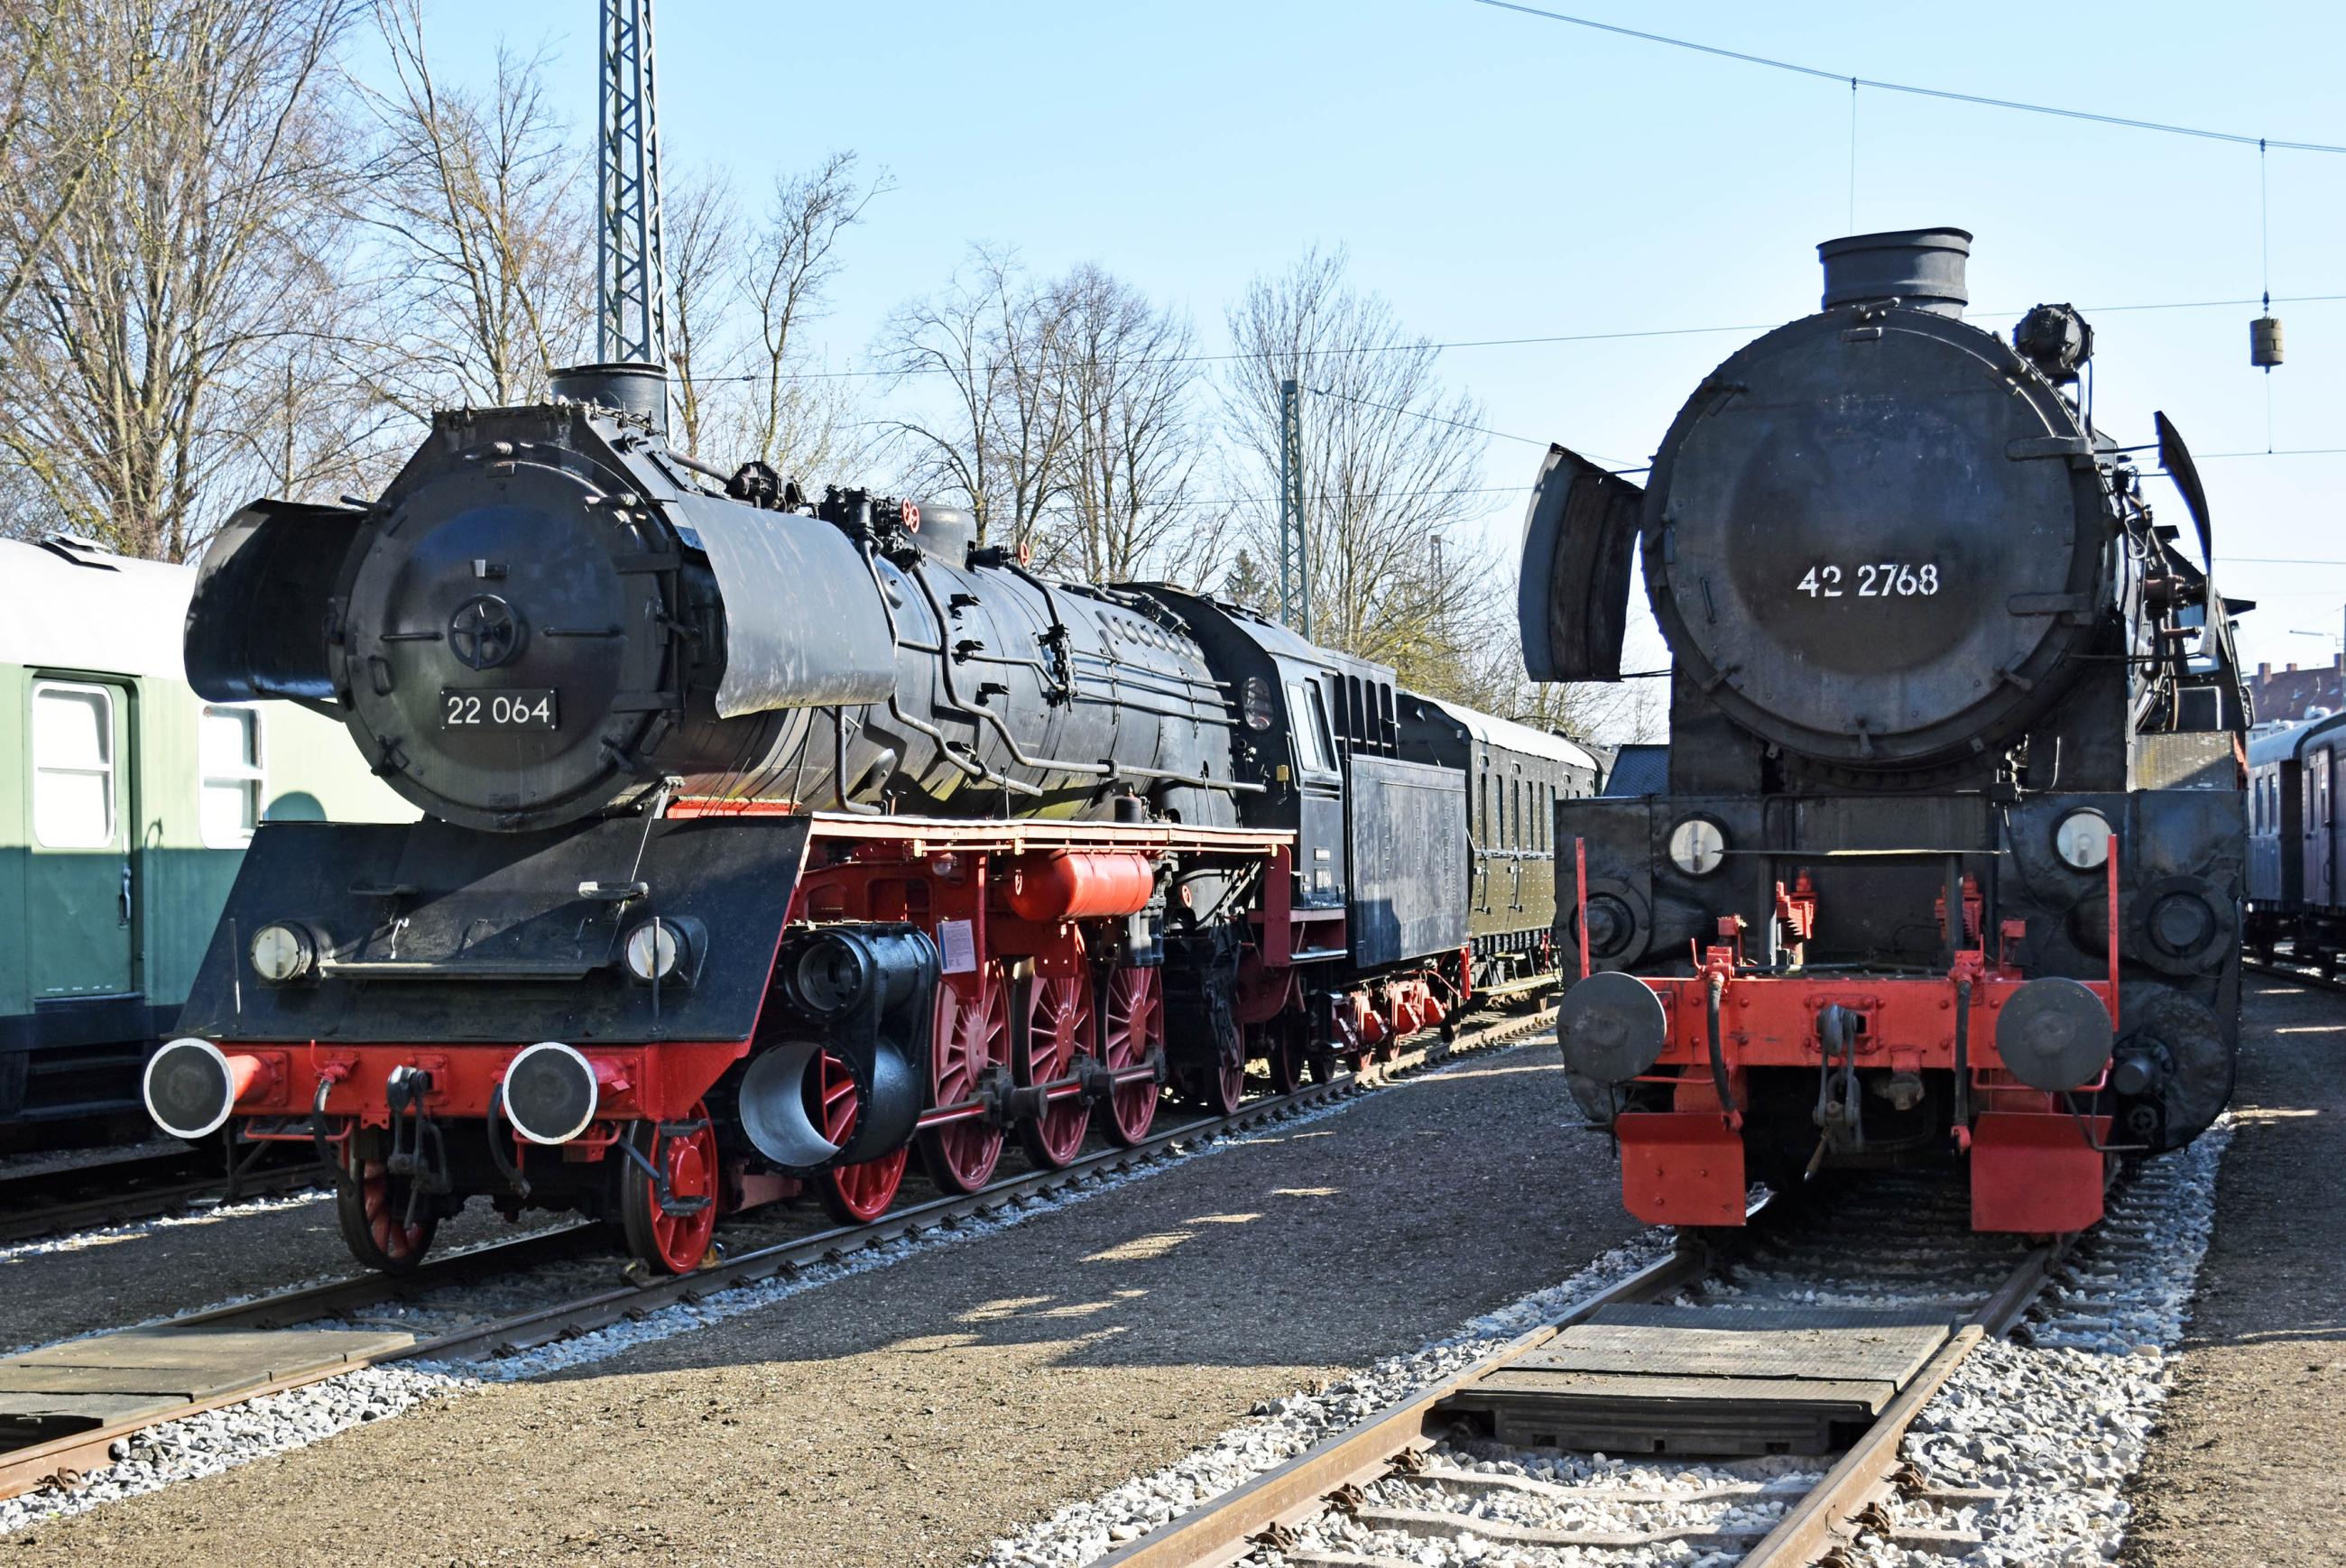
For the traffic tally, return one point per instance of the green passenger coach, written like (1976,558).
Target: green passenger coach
(126,804)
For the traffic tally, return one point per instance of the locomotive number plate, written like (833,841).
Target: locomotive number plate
(524,708)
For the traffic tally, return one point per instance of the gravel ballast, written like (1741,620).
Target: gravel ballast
(2057,1419)
(911,1414)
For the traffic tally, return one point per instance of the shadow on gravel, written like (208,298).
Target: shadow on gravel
(1309,1247)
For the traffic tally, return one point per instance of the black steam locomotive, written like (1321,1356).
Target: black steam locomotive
(769,839)
(1949,858)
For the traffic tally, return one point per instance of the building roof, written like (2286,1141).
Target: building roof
(71,606)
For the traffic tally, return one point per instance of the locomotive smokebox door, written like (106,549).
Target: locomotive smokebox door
(1873,535)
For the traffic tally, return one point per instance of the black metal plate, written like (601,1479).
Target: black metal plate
(483,906)
(505,708)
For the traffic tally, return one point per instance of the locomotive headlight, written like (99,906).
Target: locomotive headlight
(1697,846)
(653,950)
(1254,702)
(281,952)
(2082,840)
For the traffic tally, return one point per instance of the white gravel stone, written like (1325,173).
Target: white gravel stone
(2058,1421)
(218,1441)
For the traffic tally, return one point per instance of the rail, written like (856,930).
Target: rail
(69,1457)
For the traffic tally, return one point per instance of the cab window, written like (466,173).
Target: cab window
(1309,715)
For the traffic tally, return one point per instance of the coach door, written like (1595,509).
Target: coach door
(2320,839)
(78,930)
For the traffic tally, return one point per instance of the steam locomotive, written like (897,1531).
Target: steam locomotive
(1948,862)
(768,840)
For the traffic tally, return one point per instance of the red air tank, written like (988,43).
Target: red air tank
(1080,885)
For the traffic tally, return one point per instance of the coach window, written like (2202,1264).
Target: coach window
(73,767)
(1482,809)
(1515,814)
(229,742)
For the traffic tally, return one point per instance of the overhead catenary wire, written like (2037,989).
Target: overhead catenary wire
(1541,340)
(1948,95)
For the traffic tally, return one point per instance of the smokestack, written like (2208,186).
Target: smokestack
(637,389)
(1919,268)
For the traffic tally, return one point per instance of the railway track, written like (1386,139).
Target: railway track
(1432,1468)
(2284,966)
(117,1190)
(509,1297)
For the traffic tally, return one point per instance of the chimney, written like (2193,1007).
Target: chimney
(2292,669)
(2263,670)
(1921,268)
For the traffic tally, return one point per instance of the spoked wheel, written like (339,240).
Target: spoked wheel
(1216,1086)
(372,1205)
(673,1237)
(856,1194)
(1283,1048)
(1213,1083)
(973,1034)
(1131,1026)
(860,1194)
(1058,1028)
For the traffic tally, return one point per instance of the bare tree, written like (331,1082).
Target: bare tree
(485,229)
(742,293)
(704,251)
(1391,464)
(153,321)
(991,345)
(1126,377)
(795,256)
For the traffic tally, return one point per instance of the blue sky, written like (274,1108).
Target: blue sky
(1497,175)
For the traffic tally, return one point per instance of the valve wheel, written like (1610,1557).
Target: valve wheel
(1131,1027)
(856,1194)
(1058,1028)
(972,1036)
(672,1242)
(372,1205)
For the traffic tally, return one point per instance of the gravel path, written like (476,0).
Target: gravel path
(911,1414)
(2248,1465)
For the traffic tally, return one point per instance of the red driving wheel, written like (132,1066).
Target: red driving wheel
(1131,1027)
(972,1036)
(1057,1029)
(1217,1086)
(856,1194)
(1283,1048)
(672,1236)
(372,1205)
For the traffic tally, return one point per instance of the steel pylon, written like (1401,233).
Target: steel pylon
(631,286)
